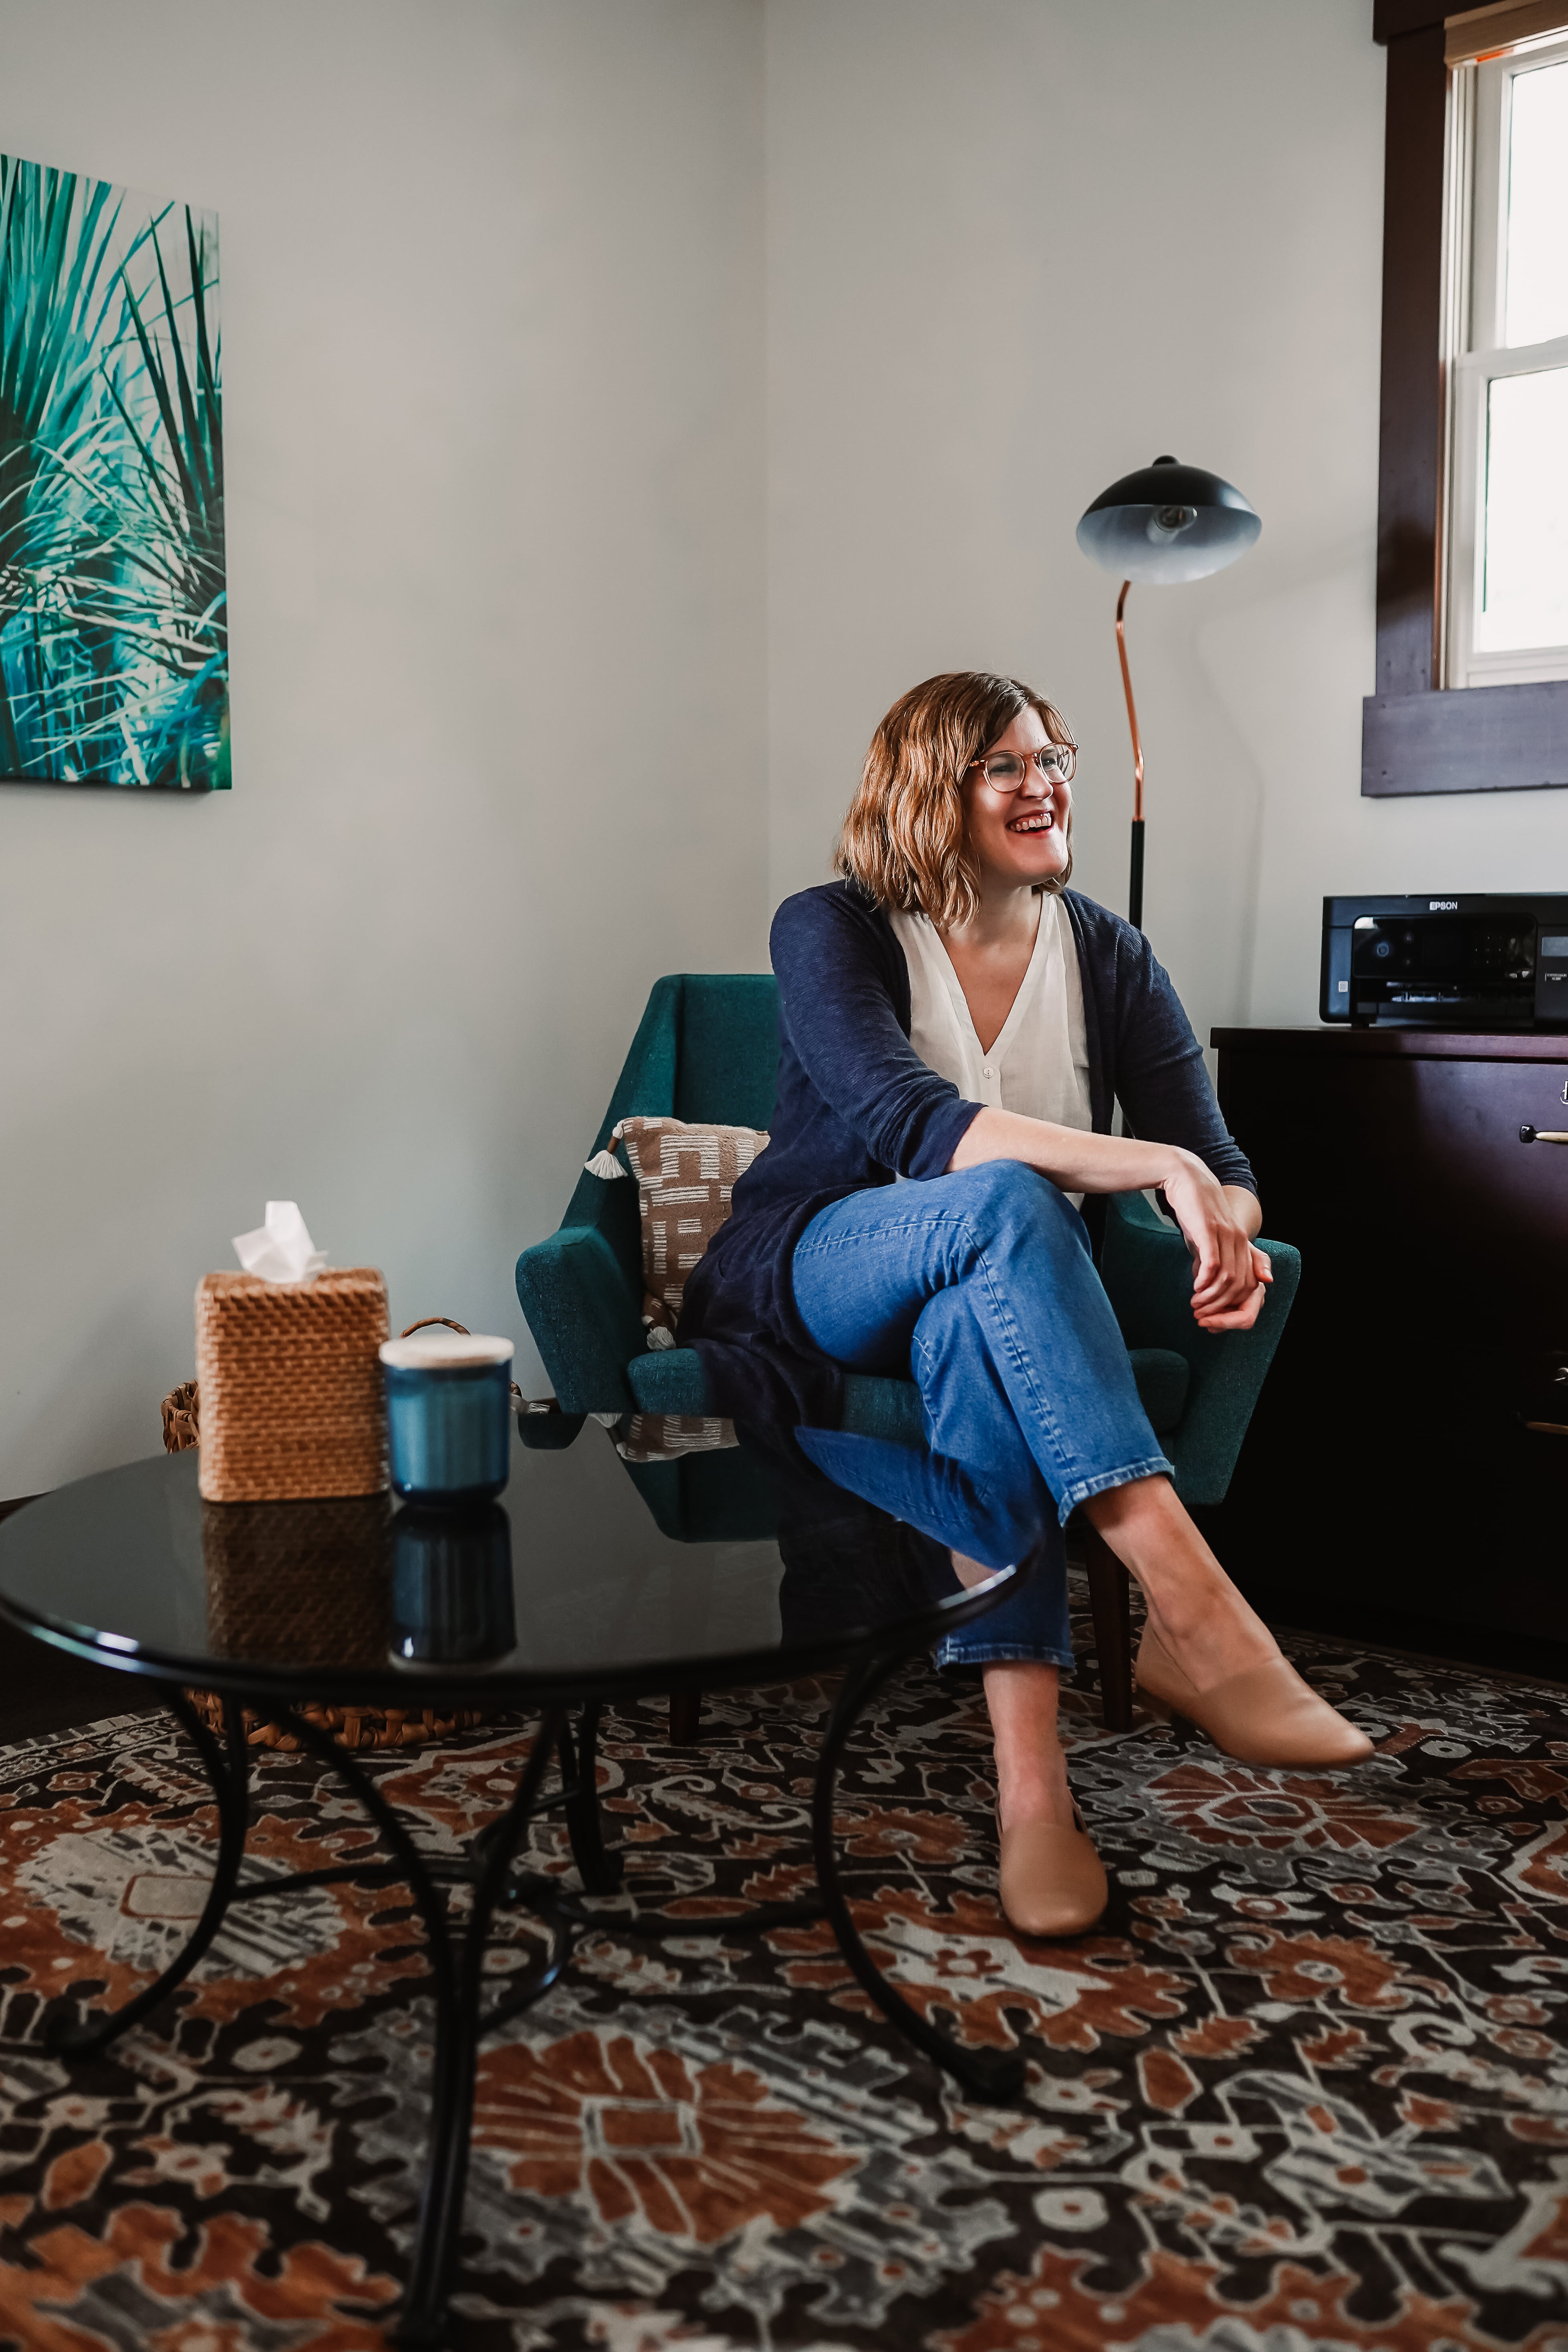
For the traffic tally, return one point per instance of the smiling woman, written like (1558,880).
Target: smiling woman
(906,838)
(957,1027)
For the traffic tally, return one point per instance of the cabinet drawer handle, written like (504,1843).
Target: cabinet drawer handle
(1543,1135)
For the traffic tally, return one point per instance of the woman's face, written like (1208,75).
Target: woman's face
(1020,837)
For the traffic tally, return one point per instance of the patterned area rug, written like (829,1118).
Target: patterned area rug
(1306,2088)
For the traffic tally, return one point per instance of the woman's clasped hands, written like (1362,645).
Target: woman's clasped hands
(1229,1275)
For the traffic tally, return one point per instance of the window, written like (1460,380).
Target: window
(1471,688)
(1506,335)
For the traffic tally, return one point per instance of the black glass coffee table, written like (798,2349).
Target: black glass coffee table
(654,1557)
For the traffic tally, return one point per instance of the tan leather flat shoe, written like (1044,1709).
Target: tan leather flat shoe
(1265,1715)
(1052,1881)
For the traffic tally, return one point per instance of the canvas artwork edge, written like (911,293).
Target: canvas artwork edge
(113,590)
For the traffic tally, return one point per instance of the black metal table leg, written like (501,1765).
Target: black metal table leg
(456,1970)
(448,2077)
(989,2074)
(227,1780)
(423,2321)
(600,1872)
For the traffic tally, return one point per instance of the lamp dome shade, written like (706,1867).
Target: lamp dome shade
(1166,523)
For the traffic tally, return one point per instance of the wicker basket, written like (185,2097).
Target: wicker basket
(321,1564)
(291,1404)
(181,1425)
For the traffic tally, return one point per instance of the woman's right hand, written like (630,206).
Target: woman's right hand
(1228,1273)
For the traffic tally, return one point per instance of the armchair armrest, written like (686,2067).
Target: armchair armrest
(1148,1275)
(582,1294)
(671,1382)
(582,1289)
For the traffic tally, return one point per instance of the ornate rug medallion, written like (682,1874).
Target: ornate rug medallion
(1307,2086)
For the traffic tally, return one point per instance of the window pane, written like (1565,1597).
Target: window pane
(1526,593)
(1538,207)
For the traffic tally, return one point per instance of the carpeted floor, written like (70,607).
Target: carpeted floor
(1308,2086)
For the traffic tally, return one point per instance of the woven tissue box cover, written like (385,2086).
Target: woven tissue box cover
(291,1386)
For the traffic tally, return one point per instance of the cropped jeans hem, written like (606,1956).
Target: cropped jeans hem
(1154,1465)
(956,1654)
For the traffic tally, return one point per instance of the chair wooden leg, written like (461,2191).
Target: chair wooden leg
(1110,1597)
(685,1718)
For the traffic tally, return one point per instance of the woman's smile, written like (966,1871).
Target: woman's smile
(1017,833)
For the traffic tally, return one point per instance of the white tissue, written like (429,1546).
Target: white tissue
(281,1250)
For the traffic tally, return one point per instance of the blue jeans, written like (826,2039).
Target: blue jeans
(980,1287)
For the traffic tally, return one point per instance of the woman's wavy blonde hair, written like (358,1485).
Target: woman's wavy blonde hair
(904,840)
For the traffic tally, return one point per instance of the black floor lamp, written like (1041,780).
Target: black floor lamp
(1169,522)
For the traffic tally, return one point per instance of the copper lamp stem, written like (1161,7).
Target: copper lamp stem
(1131,709)
(1135,869)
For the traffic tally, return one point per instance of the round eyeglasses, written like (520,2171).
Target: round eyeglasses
(1006,770)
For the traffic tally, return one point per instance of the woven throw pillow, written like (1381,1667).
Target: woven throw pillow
(667,1436)
(686,1175)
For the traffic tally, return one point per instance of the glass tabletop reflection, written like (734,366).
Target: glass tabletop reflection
(615,1558)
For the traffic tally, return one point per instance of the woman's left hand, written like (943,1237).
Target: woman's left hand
(1217,1222)
(1211,1314)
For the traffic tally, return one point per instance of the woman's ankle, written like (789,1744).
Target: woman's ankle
(1031,1770)
(1208,1643)
(1195,1612)
(1033,1789)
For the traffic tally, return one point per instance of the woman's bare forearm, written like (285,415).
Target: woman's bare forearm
(1081,1162)
(1218,1221)
(1078,1161)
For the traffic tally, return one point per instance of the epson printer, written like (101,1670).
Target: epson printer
(1477,960)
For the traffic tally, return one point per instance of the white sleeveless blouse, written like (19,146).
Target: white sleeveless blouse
(1038,1065)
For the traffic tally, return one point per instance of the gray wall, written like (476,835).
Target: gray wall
(492,288)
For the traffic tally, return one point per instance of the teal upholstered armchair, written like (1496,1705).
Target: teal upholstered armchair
(707,1049)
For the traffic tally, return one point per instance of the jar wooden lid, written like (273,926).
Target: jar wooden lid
(444,1351)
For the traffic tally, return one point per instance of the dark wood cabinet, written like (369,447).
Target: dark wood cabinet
(1410,1450)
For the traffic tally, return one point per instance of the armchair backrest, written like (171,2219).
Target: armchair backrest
(707,1047)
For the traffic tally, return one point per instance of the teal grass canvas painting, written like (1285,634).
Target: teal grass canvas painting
(113,606)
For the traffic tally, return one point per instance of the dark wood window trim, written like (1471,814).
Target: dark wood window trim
(1415,738)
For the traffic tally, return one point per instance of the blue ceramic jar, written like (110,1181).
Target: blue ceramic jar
(449,1412)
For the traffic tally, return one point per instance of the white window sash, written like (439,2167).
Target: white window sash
(1475,235)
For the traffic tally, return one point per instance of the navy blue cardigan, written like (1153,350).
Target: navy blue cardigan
(858,1107)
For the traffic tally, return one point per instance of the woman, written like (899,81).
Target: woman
(953,1015)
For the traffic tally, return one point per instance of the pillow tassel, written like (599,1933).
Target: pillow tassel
(604,1164)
